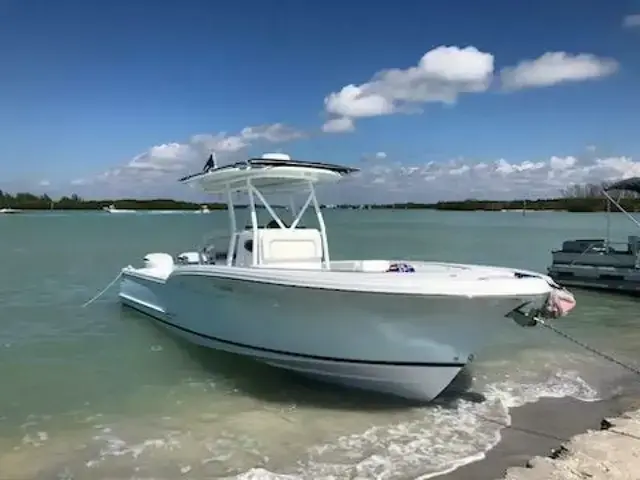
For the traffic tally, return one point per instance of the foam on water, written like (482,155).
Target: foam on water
(444,440)
(438,440)
(208,434)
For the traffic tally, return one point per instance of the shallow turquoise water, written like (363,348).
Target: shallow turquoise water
(100,392)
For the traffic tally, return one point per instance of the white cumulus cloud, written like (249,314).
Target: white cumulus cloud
(441,75)
(337,125)
(631,21)
(385,178)
(172,159)
(460,179)
(445,73)
(553,68)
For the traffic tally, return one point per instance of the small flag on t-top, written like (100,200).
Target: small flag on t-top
(211,163)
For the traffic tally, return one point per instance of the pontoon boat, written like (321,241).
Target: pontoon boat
(274,293)
(600,263)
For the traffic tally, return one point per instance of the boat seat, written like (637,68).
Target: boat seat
(291,248)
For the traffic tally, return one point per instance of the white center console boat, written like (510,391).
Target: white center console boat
(273,293)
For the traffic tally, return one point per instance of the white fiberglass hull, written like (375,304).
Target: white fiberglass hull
(9,211)
(407,345)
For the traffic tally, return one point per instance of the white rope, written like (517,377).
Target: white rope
(103,291)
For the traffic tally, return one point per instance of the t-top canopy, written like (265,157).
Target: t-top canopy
(629,184)
(273,171)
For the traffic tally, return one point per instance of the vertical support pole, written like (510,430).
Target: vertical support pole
(629,216)
(233,227)
(292,206)
(254,223)
(323,230)
(608,240)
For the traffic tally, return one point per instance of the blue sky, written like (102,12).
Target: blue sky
(104,98)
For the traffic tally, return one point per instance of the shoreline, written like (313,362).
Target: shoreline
(564,438)
(611,452)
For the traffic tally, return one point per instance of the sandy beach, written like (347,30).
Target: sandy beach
(561,439)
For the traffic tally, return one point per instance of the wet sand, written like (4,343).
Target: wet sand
(542,428)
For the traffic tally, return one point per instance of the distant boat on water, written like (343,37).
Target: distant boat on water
(164,212)
(10,210)
(112,209)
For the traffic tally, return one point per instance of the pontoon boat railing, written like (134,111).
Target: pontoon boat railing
(615,202)
(605,246)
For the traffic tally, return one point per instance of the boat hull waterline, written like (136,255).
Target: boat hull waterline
(410,346)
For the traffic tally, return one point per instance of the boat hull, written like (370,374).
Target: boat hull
(418,382)
(408,346)
(9,211)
